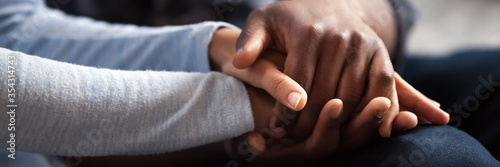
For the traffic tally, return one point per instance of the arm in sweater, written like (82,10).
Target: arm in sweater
(72,110)
(30,27)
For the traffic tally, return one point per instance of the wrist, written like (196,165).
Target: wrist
(222,48)
(261,103)
(379,16)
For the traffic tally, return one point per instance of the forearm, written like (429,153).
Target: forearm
(71,110)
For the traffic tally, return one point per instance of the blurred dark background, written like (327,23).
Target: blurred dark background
(443,27)
(160,12)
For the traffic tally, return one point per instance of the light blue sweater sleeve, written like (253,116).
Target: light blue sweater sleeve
(72,110)
(30,27)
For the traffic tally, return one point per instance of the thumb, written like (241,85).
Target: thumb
(252,40)
(279,85)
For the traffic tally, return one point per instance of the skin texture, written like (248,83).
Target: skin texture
(347,89)
(335,49)
(362,127)
(329,43)
(327,135)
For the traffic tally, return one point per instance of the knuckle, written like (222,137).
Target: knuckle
(379,43)
(385,77)
(359,38)
(340,38)
(315,30)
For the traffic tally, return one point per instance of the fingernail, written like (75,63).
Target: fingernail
(239,51)
(294,99)
(381,113)
(437,104)
(335,114)
(257,143)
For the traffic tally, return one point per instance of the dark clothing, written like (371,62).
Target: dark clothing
(467,84)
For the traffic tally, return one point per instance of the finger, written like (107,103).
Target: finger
(253,39)
(381,77)
(302,57)
(423,120)
(266,75)
(283,88)
(354,75)
(419,104)
(381,84)
(300,63)
(325,137)
(364,126)
(404,120)
(385,128)
(257,142)
(250,144)
(325,82)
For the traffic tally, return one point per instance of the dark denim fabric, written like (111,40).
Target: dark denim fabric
(426,145)
(467,84)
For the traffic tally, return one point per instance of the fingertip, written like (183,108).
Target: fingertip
(440,118)
(405,120)
(438,105)
(385,132)
(413,120)
(257,142)
(247,54)
(302,103)
(335,108)
(279,132)
(446,118)
(297,99)
(383,101)
(382,106)
(294,99)
(283,88)
(240,60)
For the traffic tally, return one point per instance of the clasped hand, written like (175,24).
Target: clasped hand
(346,90)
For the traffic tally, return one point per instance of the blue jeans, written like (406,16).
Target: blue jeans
(467,84)
(426,145)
